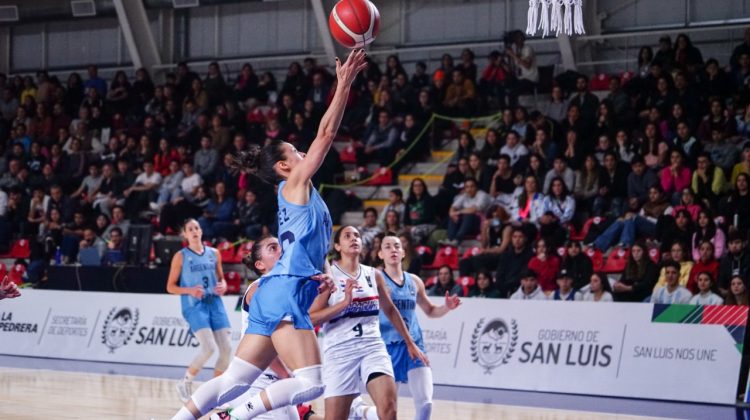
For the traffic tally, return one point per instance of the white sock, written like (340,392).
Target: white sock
(420,385)
(305,385)
(227,386)
(184,414)
(367,412)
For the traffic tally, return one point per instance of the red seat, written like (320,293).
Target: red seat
(383,176)
(425,253)
(243,250)
(234,282)
(600,82)
(466,282)
(597,259)
(17,274)
(152,254)
(446,255)
(616,260)
(227,252)
(348,154)
(655,255)
(579,236)
(430,281)
(471,252)
(20,249)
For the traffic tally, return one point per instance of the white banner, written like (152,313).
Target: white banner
(674,352)
(108,327)
(671,352)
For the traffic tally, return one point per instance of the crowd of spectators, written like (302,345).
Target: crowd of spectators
(660,162)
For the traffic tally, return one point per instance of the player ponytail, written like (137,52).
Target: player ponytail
(260,161)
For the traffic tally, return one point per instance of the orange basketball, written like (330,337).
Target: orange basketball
(354,23)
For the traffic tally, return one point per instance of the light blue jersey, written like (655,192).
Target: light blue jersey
(200,270)
(405,298)
(304,235)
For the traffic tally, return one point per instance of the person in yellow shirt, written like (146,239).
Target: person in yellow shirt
(709,181)
(744,166)
(460,97)
(677,253)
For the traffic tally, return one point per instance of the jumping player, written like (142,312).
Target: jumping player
(353,351)
(407,292)
(197,276)
(279,319)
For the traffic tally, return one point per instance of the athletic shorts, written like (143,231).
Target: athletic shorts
(209,312)
(346,369)
(281,298)
(402,363)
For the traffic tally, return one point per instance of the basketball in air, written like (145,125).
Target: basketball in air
(354,23)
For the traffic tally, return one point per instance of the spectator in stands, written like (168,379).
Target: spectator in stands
(164,157)
(248,216)
(460,96)
(707,230)
(420,79)
(477,169)
(206,160)
(494,238)
(463,220)
(599,289)
(527,206)
(708,182)
(170,186)
(675,177)
(51,232)
(369,228)
(587,102)
(512,263)
(560,170)
(452,185)
(559,209)
(739,50)
(110,190)
(61,202)
(492,83)
(688,145)
(639,277)
(640,180)
(412,262)
(89,186)
(94,81)
(143,191)
(484,287)
(679,255)
(419,214)
(686,56)
(543,145)
(503,183)
(91,240)
(118,221)
(514,148)
(671,291)
(391,223)
(742,167)
(524,66)
(687,203)
(736,207)
(738,292)
(612,187)
(735,262)
(529,289)
(466,146)
(395,203)
(565,290)
(632,225)
(546,264)
(706,262)
(115,250)
(216,221)
(118,95)
(445,284)
(369,256)
(587,181)
(8,105)
(381,142)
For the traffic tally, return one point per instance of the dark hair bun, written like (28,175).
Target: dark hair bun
(247,159)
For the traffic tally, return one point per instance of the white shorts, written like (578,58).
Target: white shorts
(264,380)
(344,369)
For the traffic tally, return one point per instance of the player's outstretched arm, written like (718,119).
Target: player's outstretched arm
(393,315)
(430,309)
(329,124)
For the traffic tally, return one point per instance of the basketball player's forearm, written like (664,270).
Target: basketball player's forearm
(331,120)
(437,311)
(398,323)
(327,313)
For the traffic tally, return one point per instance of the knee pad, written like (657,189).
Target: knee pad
(310,378)
(226,387)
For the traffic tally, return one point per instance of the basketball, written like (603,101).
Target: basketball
(354,23)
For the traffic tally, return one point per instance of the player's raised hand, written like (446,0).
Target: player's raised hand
(221,287)
(349,290)
(347,72)
(416,354)
(452,302)
(326,283)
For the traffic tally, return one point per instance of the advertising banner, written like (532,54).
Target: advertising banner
(108,327)
(671,352)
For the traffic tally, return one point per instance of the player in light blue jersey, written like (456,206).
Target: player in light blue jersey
(407,292)
(279,320)
(196,275)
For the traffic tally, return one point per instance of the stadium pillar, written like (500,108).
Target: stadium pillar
(137,33)
(5,49)
(321,19)
(566,52)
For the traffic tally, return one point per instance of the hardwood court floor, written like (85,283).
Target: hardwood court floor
(47,394)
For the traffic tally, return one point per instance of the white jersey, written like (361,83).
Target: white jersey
(360,320)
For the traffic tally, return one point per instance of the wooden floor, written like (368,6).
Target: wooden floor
(46,394)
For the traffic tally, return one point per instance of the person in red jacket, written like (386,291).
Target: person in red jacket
(706,263)
(546,264)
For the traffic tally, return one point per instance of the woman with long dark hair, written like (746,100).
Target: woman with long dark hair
(279,320)
(638,278)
